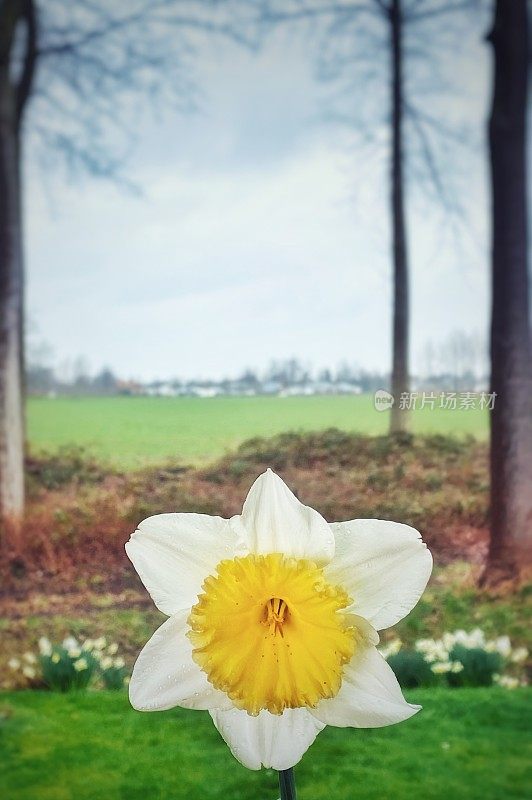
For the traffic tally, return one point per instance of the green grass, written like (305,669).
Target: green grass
(465,745)
(129,432)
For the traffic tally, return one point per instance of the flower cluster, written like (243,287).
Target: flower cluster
(73,664)
(438,655)
(465,659)
(26,665)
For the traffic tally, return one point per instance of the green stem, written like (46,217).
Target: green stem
(287,784)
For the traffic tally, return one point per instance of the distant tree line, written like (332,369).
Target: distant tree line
(43,380)
(457,362)
(460,361)
(280,376)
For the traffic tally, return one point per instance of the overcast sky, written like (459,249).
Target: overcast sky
(261,234)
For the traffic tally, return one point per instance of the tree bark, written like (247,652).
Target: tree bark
(399,420)
(11,312)
(13,97)
(511,350)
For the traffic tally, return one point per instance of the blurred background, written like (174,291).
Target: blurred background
(240,234)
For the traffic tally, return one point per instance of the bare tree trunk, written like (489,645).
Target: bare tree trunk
(13,96)
(11,325)
(511,350)
(399,420)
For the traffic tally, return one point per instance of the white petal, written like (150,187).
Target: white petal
(269,740)
(384,566)
(276,522)
(368,632)
(174,553)
(165,675)
(369,697)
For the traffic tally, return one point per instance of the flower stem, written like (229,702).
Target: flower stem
(287,784)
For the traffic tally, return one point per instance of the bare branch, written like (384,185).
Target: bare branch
(384,8)
(314,12)
(182,22)
(439,11)
(111,25)
(437,125)
(97,61)
(430,160)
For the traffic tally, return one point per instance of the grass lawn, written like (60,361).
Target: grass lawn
(131,431)
(465,744)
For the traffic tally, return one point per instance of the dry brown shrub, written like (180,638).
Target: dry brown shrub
(73,535)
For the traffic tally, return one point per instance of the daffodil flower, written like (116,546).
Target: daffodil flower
(273,619)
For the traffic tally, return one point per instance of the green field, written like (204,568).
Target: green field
(129,432)
(466,744)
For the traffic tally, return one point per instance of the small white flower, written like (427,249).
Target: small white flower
(476,639)
(112,649)
(461,637)
(14,663)
(101,643)
(70,643)
(441,667)
(74,652)
(56,658)
(440,653)
(29,658)
(119,663)
(81,664)
(106,662)
(457,666)
(432,650)
(519,655)
(503,646)
(391,649)
(425,645)
(88,644)
(448,640)
(507,681)
(233,590)
(45,646)
(29,672)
